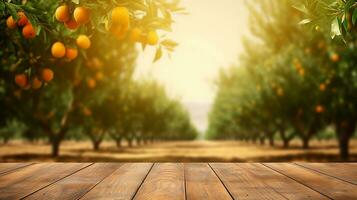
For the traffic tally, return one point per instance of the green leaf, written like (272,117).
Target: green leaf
(335,28)
(158,54)
(305,21)
(354,16)
(75,1)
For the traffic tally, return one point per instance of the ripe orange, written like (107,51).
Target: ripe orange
(99,76)
(91,83)
(22,19)
(36,83)
(83,42)
(152,38)
(21,80)
(87,111)
(10,22)
(322,87)
(71,53)
(319,109)
(62,13)
(135,35)
(143,39)
(47,75)
(302,72)
(28,31)
(71,24)
(81,15)
(280,92)
(119,32)
(58,50)
(335,57)
(96,63)
(120,16)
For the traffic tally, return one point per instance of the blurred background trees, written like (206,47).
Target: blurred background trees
(292,80)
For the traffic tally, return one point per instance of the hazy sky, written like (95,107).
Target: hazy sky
(209,38)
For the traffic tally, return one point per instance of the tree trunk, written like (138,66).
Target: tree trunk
(286,143)
(286,140)
(305,142)
(271,140)
(345,130)
(130,142)
(118,142)
(262,140)
(55,146)
(96,145)
(138,141)
(343,142)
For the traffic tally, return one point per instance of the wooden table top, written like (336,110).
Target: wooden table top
(178,181)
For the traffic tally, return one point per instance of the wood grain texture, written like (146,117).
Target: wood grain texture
(165,181)
(202,183)
(78,184)
(32,178)
(343,171)
(122,184)
(6,168)
(329,186)
(242,184)
(280,183)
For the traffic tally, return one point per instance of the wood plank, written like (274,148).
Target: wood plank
(243,185)
(32,178)
(78,184)
(10,167)
(165,181)
(343,171)
(202,183)
(122,184)
(329,186)
(280,183)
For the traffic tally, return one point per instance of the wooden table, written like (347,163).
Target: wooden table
(178,181)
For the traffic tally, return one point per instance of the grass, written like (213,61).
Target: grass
(183,151)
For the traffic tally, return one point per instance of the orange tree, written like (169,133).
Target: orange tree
(144,112)
(46,44)
(339,19)
(299,81)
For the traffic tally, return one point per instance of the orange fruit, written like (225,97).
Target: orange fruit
(62,13)
(119,32)
(280,92)
(36,83)
(21,80)
(22,21)
(71,53)
(322,87)
(96,63)
(335,57)
(58,50)
(28,31)
(319,109)
(120,16)
(91,83)
(135,35)
(81,15)
(143,39)
(47,75)
(87,111)
(99,76)
(10,22)
(71,24)
(302,72)
(152,38)
(83,42)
